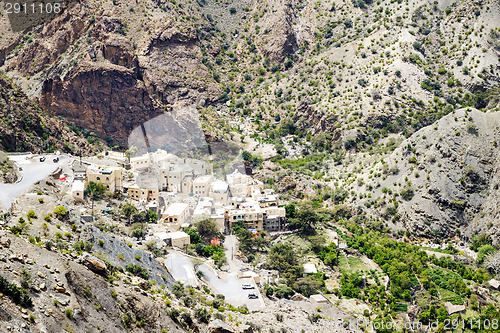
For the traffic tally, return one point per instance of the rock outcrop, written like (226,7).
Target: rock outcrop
(281,40)
(106,99)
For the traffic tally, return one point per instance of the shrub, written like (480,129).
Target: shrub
(69,313)
(284,292)
(407,193)
(31,214)
(127,319)
(186,317)
(137,270)
(60,212)
(18,295)
(174,313)
(202,315)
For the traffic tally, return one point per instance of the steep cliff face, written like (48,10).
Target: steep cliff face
(93,67)
(280,40)
(106,99)
(54,40)
(172,67)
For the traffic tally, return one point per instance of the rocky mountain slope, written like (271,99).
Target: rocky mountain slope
(351,64)
(440,182)
(26,127)
(326,84)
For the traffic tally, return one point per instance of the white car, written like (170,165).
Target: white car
(247,286)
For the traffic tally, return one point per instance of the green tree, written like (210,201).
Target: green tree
(207,229)
(152,216)
(283,258)
(60,212)
(309,285)
(128,210)
(305,220)
(95,190)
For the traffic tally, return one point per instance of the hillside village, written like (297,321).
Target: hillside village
(180,191)
(251,166)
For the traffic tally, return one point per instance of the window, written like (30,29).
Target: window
(98,178)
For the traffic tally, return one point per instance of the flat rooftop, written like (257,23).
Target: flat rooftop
(176,208)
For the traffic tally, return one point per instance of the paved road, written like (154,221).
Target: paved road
(33,171)
(182,269)
(230,248)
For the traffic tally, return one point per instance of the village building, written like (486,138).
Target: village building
(248,213)
(176,213)
(177,239)
(219,191)
(111,177)
(78,190)
(201,186)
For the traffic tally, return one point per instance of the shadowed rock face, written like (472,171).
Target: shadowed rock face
(282,41)
(108,100)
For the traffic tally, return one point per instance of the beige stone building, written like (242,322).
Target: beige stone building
(201,186)
(177,213)
(111,177)
(78,190)
(249,213)
(219,191)
(177,239)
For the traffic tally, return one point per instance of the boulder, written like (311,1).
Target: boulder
(95,265)
(5,242)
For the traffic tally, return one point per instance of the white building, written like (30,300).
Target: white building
(242,185)
(177,213)
(140,162)
(175,239)
(219,191)
(201,186)
(78,190)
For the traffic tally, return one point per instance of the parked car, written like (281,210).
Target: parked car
(252,296)
(247,286)
(42,159)
(55,160)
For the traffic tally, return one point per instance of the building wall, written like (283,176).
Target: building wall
(180,242)
(178,218)
(107,180)
(252,219)
(78,195)
(220,197)
(140,162)
(113,181)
